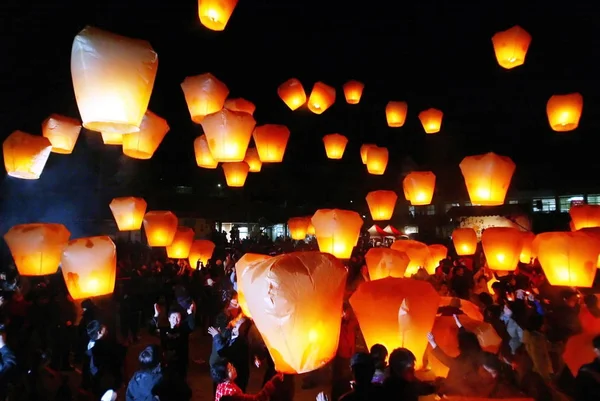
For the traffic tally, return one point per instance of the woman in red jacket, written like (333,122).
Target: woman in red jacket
(227,390)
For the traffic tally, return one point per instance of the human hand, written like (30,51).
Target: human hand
(191,309)
(212,331)
(156,310)
(458,323)
(431,340)
(322,397)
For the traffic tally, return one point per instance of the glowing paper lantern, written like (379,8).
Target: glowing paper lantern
(465,241)
(437,253)
(62,132)
(214,14)
(511,47)
(143,144)
(37,248)
(271,141)
(353,91)
(395,113)
(386,262)
(228,134)
(311,228)
(25,155)
(377,160)
(525,256)
(204,95)
(128,212)
(236,173)
(568,258)
(112,138)
(113,77)
(418,187)
(431,120)
(363,151)
(292,93)
(487,178)
(585,216)
(298,227)
(396,312)
(335,145)
(321,98)
(240,104)
(337,231)
(201,250)
(417,252)
(594,232)
(182,243)
(204,158)
(160,227)
(240,266)
(382,204)
(502,247)
(89,267)
(253,160)
(296,303)
(564,111)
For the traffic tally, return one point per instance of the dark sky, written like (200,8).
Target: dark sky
(429,53)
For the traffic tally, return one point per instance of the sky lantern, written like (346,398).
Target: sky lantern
(228,134)
(113,77)
(385,262)
(585,216)
(363,151)
(431,119)
(204,95)
(395,113)
(511,46)
(240,266)
(437,253)
(568,258)
(311,228)
(240,104)
(160,227)
(204,158)
(236,173)
(271,141)
(112,138)
(253,160)
(298,227)
(335,145)
(526,252)
(214,14)
(418,187)
(143,144)
(465,241)
(396,312)
(337,231)
(594,232)
(201,250)
(321,98)
(182,243)
(128,212)
(417,252)
(37,247)
(296,303)
(381,204)
(89,267)
(25,155)
(292,93)
(353,91)
(487,178)
(502,247)
(377,160)
(564,111)
(62,132)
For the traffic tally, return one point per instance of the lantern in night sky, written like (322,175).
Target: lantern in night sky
(112,138)
(271,141)
(377,160)
(502,247)
(311,228)
(353,91)
(564,111)
(385,262)
(143,144)
(431,120)
(487,178)
(363,151)
(201,250)
(335,145)
(418,187)
(395,113)
(253,160)
(321,98)
(62,132)
(236,173)
(204,158)
(160,227)
(526,253)
(128,212)
(240,266)
(337,231)
(418,253)
(182,243)
(228,134)
(292,93)
(240,104)
(214,14)
(381,204)
(298,227)
(204,95)
(511,47)
(465,241)
(25,155)
(437,253)
(585,216)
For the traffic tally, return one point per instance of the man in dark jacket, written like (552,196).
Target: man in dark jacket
(588,377)
(363,369)
(144,382)
(402,383)
(232,346)
(106,359)
(8,364)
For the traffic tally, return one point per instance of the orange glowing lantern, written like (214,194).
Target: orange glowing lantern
(298,227)
(240,104)
(321,98)
(236,173)
(37,248)
(396,312)
(487,178)
(311,228)
(502,247)
(363,151)
(437,253)
(377,160)
(182,243)
(585,216)
(564,111)
(62,132)
(204,158)
(214,14)
(143,144)
(335,145)
(112,138)
(511,47)
(300,320)
(89,267)
(128,212)
(337,231)
(228,134)
(593,232)
(240,266)
(160,227)
(201,251)
(568,258)
(25,155)
(526,251)
(253,160)
(382,204)
(386,262)
(204,95)
(113,77)
(395,113)
(292,93)
(417,252)
(418,187)
(353,91)
(271,141)
(465,241)
(431,120)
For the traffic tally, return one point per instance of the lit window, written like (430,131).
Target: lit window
(544,205)
(593,199)
(513,202)
(567,201)
(430,210)
(449,206)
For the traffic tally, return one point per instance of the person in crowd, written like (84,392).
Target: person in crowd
(8,364)
(402,384)
(379,353)
(341,372)
(588,377)
(513,329)
(494,381)
(228,390)
(536,345)
(143,383)
(106,359)
(363,369)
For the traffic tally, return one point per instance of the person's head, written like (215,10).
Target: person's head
(535,322)
(149,358)
(571,298)
(596,345)
(174,318)
(486,299)
(507,311)
(96,330)
(363,368)
(468,343)
(379,354)
(444,289)
(402,364)
(591,301)
(223,372)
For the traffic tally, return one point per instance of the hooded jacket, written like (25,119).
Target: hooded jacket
(142,385)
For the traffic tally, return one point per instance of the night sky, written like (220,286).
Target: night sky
(428,53)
